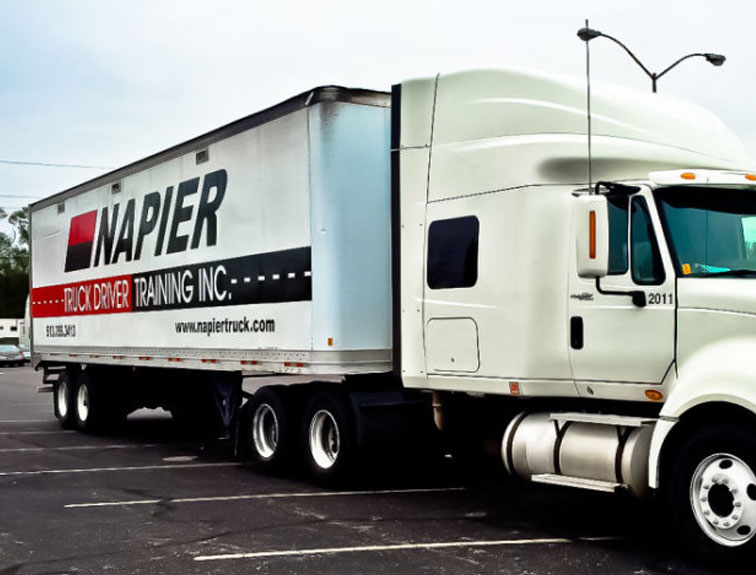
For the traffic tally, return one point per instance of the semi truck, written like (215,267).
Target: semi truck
(444,258)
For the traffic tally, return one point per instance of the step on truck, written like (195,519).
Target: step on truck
(445,256)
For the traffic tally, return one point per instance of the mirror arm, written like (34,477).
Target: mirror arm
(639,297)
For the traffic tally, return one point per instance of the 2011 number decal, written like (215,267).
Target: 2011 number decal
(660,298)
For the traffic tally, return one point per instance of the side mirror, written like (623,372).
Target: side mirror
(591,225)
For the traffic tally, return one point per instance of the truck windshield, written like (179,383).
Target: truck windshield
(711,231)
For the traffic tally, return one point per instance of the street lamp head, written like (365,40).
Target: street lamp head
(588,34)
(715,59)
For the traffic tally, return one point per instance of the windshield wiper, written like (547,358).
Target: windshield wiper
(736,273)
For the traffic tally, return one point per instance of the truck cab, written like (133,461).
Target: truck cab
(677,246)
(597,284)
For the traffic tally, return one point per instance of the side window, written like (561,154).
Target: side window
(646,261)
(749,236)
(617,235)
(453,253)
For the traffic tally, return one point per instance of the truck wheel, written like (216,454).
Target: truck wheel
(712,494)
(90,409)
(63,401)
(329,437)
(266,437)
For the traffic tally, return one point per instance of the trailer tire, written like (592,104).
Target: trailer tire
(711,493)
(93,409)
(267,438)
(330,439)
(63,400)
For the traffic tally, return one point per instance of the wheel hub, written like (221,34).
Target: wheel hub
(265,431)
(722,494)
(324,439)
(82,403)
(63,400)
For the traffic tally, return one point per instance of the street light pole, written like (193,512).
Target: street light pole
(587,34)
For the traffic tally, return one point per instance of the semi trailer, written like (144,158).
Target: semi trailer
(447,257)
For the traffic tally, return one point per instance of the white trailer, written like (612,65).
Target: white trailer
(592,332)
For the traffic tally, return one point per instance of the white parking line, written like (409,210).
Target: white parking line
(26,420)
(262,496)
(401,547)
(36,432)
(104,469)
(72,448)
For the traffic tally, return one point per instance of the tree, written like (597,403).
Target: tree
(20,222)
(14,264)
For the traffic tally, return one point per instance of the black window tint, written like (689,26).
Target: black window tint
(617,235)
(646,260)
(453,253)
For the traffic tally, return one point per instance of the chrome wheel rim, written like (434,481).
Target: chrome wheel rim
(723,499)
(62,396)
(82,403)
(324,439)
(265,431)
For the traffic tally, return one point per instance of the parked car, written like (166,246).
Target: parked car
(26,351)
(11,355)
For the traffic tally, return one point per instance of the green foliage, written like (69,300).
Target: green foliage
(14,264)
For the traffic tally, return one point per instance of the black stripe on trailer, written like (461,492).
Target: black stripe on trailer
(396,224)
(271,277)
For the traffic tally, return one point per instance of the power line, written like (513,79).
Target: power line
(20,197)
(51,165)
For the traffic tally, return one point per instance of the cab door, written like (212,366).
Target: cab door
(613,340)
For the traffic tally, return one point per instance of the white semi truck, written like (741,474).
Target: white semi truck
(436,255)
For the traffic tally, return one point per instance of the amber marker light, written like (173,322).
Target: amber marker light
(688,176)
(750,177)
(592,235)
(654,395)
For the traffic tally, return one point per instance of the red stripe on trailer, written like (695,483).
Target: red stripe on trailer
(92,297)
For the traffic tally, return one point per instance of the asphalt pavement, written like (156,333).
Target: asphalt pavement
(149,499)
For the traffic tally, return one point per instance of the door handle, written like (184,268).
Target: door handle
(576,332)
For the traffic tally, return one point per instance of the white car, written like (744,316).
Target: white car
(26,351)
(11,355)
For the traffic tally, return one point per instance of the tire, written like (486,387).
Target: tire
(63,400)
(94,409)
(329,438)
(711,493)
(267,437)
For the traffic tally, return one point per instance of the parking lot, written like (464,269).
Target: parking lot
(150,500)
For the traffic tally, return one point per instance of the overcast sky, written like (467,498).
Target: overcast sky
(104,83)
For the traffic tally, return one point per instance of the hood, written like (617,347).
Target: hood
(737,295)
